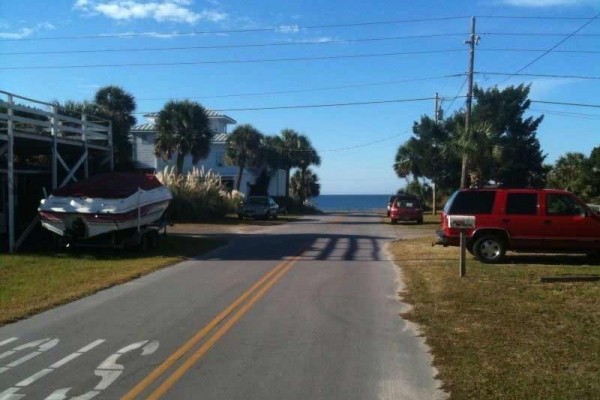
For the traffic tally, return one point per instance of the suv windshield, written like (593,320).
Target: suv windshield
(408,203)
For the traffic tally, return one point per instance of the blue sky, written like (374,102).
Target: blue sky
(366,169)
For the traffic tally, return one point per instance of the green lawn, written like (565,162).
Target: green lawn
(499,333)
(30,283)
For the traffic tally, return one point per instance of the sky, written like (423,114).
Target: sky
(243,55)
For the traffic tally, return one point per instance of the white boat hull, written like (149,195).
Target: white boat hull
(83,218)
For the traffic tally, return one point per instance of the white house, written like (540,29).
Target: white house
(143,137)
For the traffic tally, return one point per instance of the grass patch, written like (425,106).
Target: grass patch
(499,333)
(34,282)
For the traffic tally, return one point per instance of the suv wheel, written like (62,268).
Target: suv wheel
(489,249)
(393,221)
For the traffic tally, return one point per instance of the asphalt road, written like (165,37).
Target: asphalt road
(306,310)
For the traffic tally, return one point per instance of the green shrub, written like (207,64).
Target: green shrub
(198,195)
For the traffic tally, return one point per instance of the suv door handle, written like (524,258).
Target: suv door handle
(506,220)
(548,222)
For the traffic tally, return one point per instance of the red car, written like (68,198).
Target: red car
(533,220)
(406,208)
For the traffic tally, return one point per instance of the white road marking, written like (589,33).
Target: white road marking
(108,377)
(108,371)
(7,341)
(87,396)
(60,394)
(34,377)
(42,345)
(10,394)
(58,364)
(150,348)
(23,347)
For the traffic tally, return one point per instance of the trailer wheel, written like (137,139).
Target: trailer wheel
(149,240)
(154,239)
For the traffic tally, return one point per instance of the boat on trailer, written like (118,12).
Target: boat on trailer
(112,203)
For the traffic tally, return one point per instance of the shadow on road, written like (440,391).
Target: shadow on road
(325,246)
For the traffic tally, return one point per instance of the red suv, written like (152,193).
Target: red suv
(406,208)
(541,220)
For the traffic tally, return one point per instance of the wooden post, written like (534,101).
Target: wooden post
(463,253)
(54,149)
(86,171)
(111,147)
(11,177)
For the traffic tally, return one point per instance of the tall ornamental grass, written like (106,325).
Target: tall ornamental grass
(198,196)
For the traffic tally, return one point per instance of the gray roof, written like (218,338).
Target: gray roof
(209,113)
(150,127)
(147,127)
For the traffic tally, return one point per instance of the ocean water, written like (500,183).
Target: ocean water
(351,202)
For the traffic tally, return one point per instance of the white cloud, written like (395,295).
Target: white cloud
(288,28)
(321,39)
(25,31)
(159,35)
(545,3)
(162,10)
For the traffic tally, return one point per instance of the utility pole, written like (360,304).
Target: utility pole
(473,40)
(435,118)
(435,111)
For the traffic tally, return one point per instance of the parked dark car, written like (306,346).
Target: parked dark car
(258,207)
(406,208)
(533,220)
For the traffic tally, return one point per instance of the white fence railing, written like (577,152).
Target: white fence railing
(33,117)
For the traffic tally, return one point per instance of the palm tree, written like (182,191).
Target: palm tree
(307,156)
(407,161)
(244,149)
(183,128)
(118,105)
(305,185)
(289,142)
(480,150)
(570,173)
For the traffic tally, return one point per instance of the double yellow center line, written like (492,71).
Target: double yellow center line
(226,319)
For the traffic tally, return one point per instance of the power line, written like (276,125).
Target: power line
(277,28)
(541,75)
(308,90)
(540,50)
(565,113)
(566,104)
(550,49)
(538,34)
(233,46)
(273,44)
(531,17)
(301,106)
(456,96)
(339,149)
(232,61)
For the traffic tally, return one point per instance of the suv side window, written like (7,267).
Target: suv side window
(472,202)
(562,204)
(521,203)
